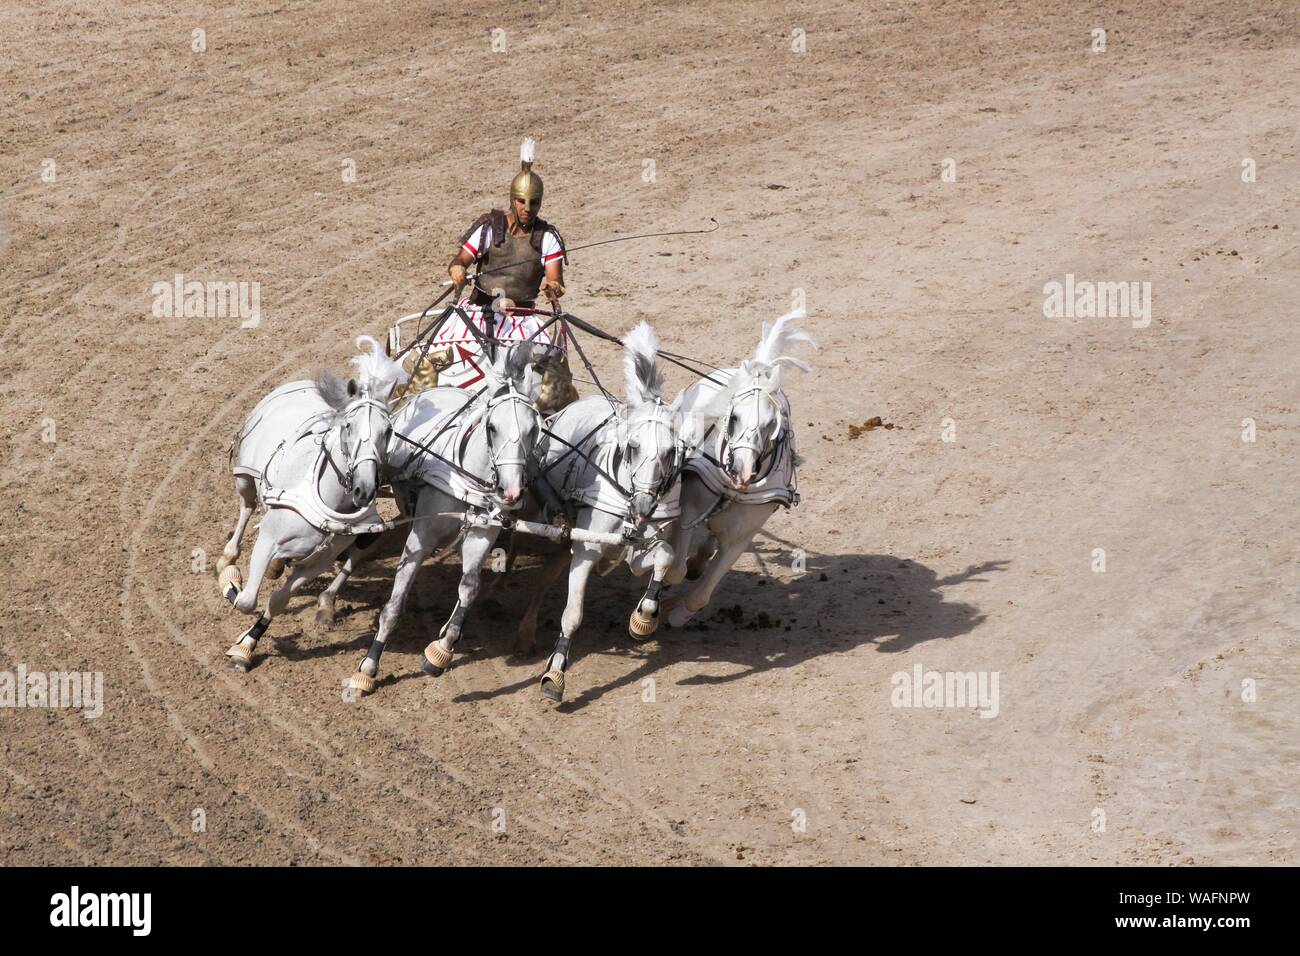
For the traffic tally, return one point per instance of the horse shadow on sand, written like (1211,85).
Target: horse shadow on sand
(760,618)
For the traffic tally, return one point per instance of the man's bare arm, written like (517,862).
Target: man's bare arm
(456,268)
(553,284)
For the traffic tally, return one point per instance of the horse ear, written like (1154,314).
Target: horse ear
(352,388)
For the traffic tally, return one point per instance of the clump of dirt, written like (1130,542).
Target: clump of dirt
(735,616)
(730,615)
(870,425)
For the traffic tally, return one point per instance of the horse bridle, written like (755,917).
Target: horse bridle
(352,448)
(750,439)
(661,415)
(516,399)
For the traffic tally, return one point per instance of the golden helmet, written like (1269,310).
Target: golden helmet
(527,185)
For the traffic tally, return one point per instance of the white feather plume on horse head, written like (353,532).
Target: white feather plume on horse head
(378,373)
(643,375)
(778,337)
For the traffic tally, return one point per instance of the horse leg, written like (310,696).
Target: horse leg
(358,554)
(585,554)
(229,579)
(681,549)
(494,583)
(645,616)
(526,639)
(735,529)
(425,537)
(283,535)
(696,502)
(698,561)
(304,571)
(241,652)
(478,543)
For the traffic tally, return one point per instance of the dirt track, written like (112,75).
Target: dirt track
(1119,691)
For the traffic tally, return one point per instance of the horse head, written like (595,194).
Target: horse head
(364,419)
(511,424)
(649,430)
(755,410)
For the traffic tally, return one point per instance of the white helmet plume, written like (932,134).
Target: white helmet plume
(528,152)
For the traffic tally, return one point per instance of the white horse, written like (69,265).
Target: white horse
(472,466)
(310,454)
(619,465)
(729,492)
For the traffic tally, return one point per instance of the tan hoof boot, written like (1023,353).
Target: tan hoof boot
(553,685)
(230,580)
(641,625)
(361,683)
(435,660)
(240,656)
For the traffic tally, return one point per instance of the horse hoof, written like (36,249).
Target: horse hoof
(241,657)
(230,582)
(275,569)
(435,660)
(553,685)
(361,683)
(641,626)
(325,617)
(521,649)
(678,615)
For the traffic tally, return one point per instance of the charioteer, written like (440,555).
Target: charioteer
(520,258)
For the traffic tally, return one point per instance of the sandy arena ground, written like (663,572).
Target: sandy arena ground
(1146,714)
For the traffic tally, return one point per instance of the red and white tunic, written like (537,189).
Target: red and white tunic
(515,326)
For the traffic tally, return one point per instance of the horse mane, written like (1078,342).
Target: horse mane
(377,374)
(508,368)
(333,389)
(519,358)
(643,374)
